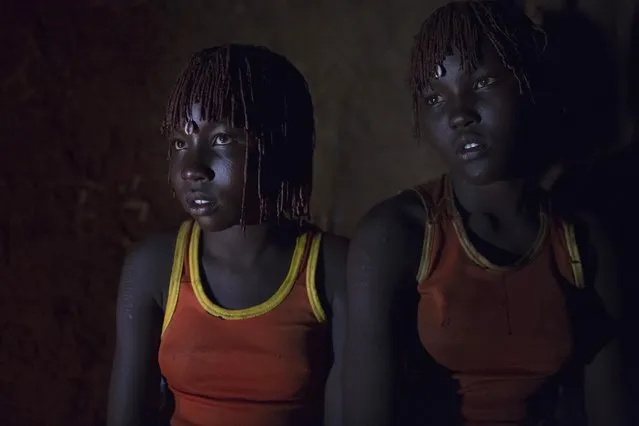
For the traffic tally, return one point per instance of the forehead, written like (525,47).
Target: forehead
(199,125)
(199,114)
(487,58)
(196,113)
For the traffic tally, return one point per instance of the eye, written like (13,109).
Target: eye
(433,99)
(222,139)
(482,82)
(178,144)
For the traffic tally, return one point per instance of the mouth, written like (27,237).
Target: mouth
(471,148)
(199,204)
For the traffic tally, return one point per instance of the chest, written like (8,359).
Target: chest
(234,288)
(471,319)
(506,239)
(276,356)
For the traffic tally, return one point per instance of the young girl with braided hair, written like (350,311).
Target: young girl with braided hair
(472,300)
(240,310)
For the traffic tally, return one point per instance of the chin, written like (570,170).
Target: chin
(480,173)
(479,177)
(214,224)
(219,224)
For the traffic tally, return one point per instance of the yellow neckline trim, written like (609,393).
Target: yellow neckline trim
(253,311)
(311,284)
(480,259)
(176,274)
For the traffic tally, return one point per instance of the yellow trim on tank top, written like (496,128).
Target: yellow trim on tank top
(427,242)
(427,251)
(176,273)
(573,254)
(253,311)
(311,284)
(479,259)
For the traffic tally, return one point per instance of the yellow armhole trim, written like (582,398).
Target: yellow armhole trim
(427,248)
(311,285)
(176,273)
(254,311)
(573,253)
(427,244)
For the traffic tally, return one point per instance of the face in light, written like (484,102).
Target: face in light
(207,172)
(475,119)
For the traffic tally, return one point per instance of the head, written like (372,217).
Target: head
(241,131)
(475,66)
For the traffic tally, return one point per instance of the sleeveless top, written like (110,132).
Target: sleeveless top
(265,365)
(500,334)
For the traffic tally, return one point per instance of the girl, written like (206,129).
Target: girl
(240,310)
(497,286)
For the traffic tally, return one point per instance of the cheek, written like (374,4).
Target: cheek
(497,112)
(436,131)
(174,172)
(433,124)
(228,172)
(503,112)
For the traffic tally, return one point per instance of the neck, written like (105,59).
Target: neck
(499,198)
(243,245)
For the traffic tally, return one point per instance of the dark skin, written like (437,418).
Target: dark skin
(248,264)
(500,211)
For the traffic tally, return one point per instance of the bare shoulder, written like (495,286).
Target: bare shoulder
(405,211)
(599,323)
(334,251)
(135,376)
(599,257)
(595,308)
(392,228)
(147,267)
(385,253)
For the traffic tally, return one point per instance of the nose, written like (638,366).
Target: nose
(463,116)
(196,171)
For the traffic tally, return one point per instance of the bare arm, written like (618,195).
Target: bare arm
(382,264)
(135,378)
(335,250)
(605,391)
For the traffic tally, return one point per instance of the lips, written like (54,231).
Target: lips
(200,204)
(471,147)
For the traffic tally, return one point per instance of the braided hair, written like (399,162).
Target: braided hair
(461,27)
(255,89)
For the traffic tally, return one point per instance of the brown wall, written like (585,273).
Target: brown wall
(82,87)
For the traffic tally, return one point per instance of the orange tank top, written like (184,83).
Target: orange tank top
(261,366)
(500,333)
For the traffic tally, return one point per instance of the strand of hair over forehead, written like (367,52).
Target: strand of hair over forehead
(226,86)
(460,27)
